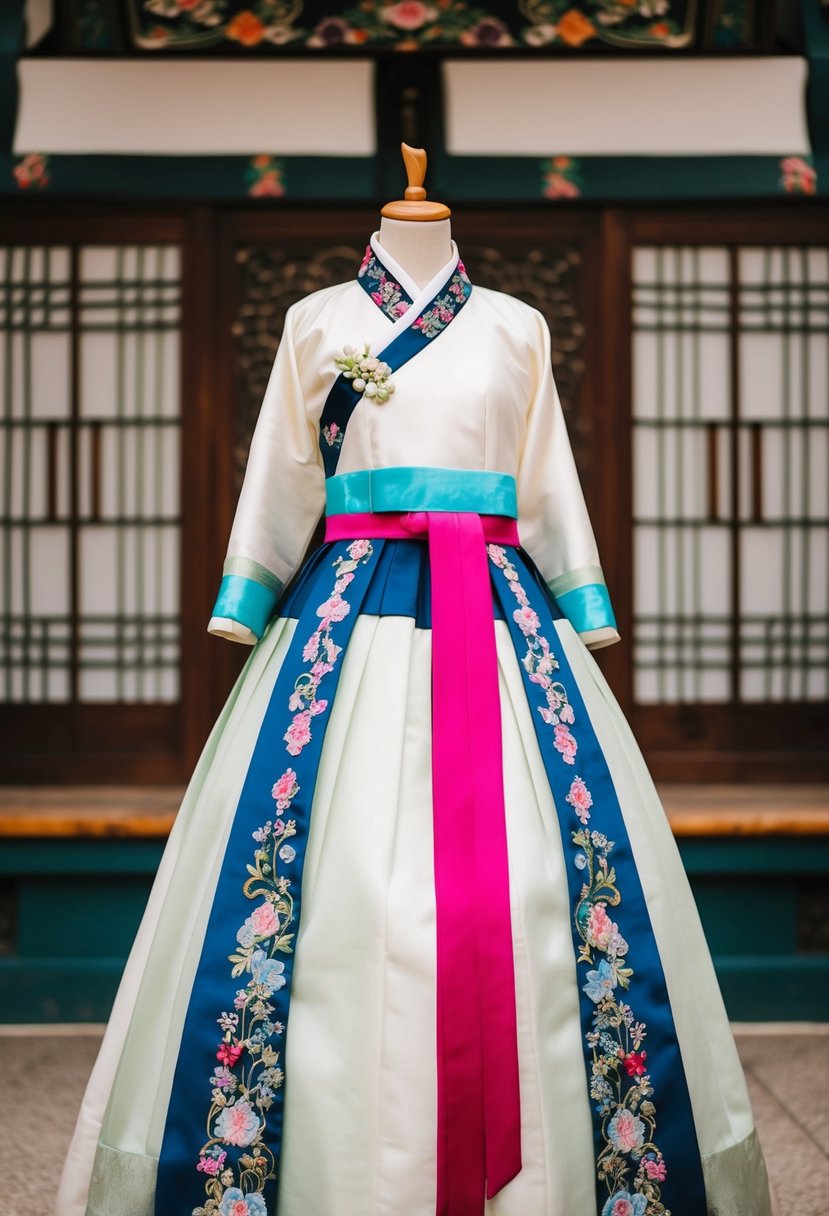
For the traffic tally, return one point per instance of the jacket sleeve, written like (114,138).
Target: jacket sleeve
(282,498)
(553,522)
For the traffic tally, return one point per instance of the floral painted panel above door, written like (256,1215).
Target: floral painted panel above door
(428,24)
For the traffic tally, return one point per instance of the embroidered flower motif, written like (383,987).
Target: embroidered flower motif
(444,307)
(566,744)
(634,1063)
(321,651)
(237,1124)
(625,1204)
(629,1162)
(368,375)
(234,1203)
(385,291)
(580,799)
(212,1160)
(333,435)
(247,1081)
(284,791)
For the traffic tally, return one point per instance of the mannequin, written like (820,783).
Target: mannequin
(417,234)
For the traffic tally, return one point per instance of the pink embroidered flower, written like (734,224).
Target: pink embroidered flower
(461,267)
(566,713)
(334,609)
(526,620)
(408,14)
(566,744)
(655,1169)
(498,555)
(359,549)
(279,827)
(580,799)
(264,920)
(229,1053)
(366,259)
(311,647)
(321,669)
(377,297)
(333,430)
(237,1124)
(626,1131)
(285,789)
(400,308)
(298,733)
(635,1066)
(600,927)
(622,1204)
(212,1165)
(317,707)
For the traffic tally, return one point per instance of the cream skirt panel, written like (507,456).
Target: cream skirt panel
(360,1089)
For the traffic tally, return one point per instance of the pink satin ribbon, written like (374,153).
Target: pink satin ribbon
(479,1115)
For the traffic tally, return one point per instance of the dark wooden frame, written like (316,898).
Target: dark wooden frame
(721,742)
(155,744)
(77,742)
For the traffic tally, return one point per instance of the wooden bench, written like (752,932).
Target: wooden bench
(77,863)
(113,811)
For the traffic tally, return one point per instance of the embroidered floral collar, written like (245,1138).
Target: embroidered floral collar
(428,310)
(389,296)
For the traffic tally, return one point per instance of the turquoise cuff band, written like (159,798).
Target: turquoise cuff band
(587,607)
(248,602)
(421,489)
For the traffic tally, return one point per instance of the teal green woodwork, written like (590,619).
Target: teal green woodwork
(474,179)
(79,902)
(816,39)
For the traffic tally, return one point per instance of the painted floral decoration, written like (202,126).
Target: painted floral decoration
(410,24)
(264,177)
(32,172)
(797,175)
(616,21)
(562,177)
(368,374)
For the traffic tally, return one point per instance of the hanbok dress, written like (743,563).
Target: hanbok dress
(421,941)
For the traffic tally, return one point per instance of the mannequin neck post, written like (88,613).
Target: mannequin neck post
(420,247)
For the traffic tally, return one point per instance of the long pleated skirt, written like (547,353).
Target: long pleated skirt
(347,1084)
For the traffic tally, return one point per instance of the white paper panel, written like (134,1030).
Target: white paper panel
(618,107)
(194,107)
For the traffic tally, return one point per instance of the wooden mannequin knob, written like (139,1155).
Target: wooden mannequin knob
(414,205)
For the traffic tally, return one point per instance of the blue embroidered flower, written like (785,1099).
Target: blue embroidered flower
(246,936)
(600,983)
(267,971)
(234,1203)
(623,1204)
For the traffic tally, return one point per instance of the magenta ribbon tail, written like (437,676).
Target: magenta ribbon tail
(478,1099)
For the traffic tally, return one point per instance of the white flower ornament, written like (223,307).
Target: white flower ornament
(366,372)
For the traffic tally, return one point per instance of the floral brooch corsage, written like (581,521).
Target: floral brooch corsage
(367,373)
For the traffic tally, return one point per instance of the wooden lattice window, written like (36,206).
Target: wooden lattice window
(91,411)
(730,414)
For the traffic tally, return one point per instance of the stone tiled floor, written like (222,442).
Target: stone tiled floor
(787,1068)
